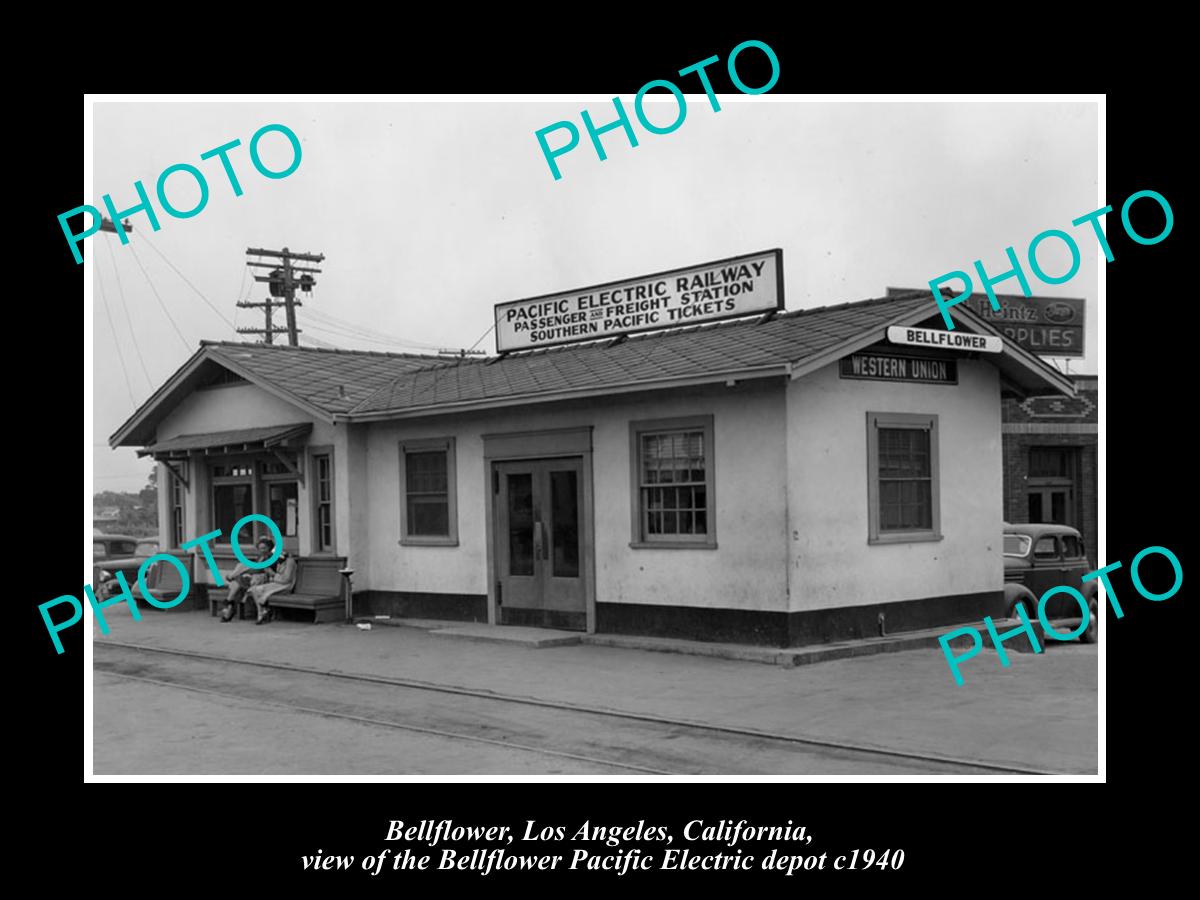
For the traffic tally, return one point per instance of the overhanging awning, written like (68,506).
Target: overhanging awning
(236,441)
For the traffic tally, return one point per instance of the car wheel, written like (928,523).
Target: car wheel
(1092,632)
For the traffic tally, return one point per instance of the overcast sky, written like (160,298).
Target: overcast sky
(430,213)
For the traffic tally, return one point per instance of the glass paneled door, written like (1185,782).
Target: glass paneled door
(539,559)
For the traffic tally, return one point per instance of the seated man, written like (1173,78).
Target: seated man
(284,579)
(243,577)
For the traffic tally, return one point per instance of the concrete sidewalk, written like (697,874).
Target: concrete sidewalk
(1041,712)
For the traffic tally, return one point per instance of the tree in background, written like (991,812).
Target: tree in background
(137,514)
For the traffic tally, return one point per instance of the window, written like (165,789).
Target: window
(1072,546)
(902,482)
(177,494)
(322,489)
(1050,486)
(1045,548)
(428,513)
(672,478)
(231,502)
(1050,462)
(1016,545)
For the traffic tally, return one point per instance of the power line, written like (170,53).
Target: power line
(394,344)
(132,334)
(320,343)
(347,325)
(189,284)
(116,340)
(157,297)
(482,336)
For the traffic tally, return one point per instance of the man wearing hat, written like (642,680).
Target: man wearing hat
(244,577)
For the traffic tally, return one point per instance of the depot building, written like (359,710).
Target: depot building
(772,477)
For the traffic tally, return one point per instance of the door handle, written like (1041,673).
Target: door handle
(538,541)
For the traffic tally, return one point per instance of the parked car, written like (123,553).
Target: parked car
(113,553)
(1039,557)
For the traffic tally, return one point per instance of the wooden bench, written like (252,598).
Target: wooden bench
(318,589)
(165,583)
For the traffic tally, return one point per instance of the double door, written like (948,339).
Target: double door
(539,551)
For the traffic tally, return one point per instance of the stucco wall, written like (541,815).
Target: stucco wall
(746,571)
(831,564)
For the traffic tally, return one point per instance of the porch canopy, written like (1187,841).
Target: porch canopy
(240,439)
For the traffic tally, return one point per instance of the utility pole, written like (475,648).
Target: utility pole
(282,283)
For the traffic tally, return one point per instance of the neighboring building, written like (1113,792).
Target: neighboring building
(1050,459)
(787,479)
(105,517)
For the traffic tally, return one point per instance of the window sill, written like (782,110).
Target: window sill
(911,537)
(428,542)
(673,545)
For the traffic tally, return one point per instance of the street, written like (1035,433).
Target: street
(179,693)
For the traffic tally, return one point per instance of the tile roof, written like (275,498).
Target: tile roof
(693,351)
(331,380)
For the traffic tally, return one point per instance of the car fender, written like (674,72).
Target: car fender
(1015,592)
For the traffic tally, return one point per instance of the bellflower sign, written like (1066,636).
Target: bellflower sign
(738,286)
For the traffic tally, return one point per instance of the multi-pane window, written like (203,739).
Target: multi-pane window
(1050,462)
(177,495)
(232,496)
(902,483)
(905,480)
(673,468)
(427,509)
(323,492)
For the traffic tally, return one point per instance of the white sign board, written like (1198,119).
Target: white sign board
(946,340)
(739,286)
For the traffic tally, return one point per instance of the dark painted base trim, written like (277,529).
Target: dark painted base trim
(796,629)
(543,618)
(415,605)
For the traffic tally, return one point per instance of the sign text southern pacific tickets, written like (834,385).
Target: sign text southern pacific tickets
(739,286)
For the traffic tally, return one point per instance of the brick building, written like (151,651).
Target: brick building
(1050,460)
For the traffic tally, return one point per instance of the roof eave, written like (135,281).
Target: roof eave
(120,437)
(1022,359)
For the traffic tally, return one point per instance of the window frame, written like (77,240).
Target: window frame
(637,430)
(177,504)
(920,421)
(1054,542)
(224,542)
(426,445)
(313,484)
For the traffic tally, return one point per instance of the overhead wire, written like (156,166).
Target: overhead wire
(325,345)
(116,340)
(197,290)
(159,298)
(132,334)
(346,325)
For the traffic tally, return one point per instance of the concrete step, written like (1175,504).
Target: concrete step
(533,638)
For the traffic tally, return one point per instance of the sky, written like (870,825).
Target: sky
(430,213)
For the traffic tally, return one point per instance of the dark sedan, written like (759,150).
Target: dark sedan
(118,553)
(1040,557)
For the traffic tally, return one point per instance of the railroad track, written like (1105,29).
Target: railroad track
(515,722)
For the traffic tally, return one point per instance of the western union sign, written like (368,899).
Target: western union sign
(882,367)
(739,286)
